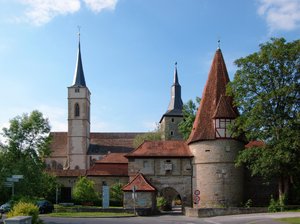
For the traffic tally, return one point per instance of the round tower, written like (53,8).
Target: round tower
(216,181)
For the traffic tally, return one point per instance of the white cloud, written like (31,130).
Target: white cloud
(40,12)
(280,14)
(99,5)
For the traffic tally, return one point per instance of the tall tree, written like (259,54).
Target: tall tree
(189,111)
(266,91)
(26,145)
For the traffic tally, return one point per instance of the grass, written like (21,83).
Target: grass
(295,220)
(89,214)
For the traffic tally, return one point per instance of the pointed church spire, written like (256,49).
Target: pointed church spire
(79,79)
(175,75)
(214,102)
(176,102)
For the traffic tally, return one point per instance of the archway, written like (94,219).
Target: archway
(172,198)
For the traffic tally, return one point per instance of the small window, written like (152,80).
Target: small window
(77,90)
(77,110)
(146,164)
(172,133)
(172,119)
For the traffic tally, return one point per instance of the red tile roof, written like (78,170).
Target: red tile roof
(162,149)
(113,158)
(59,144)
(108,169)
(211,105)
(141,184)
(103,142)
(113,139)
(255,144)
(225,109)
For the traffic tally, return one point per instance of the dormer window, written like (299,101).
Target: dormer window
(77,110)
(222,127)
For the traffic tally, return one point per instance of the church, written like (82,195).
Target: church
(199,171)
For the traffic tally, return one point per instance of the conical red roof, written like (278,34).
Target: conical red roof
(214,102)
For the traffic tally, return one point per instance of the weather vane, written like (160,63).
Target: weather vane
(219,43)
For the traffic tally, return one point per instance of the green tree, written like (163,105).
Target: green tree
(266,91)
(189,111)
(26,145)
(84,190)
(149,136)
(116,193)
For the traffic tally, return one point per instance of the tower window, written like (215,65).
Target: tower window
(172,119)
(77,110)
(77,90)
(172,133)
(222,128)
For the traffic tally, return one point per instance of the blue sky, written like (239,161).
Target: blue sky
(129,48)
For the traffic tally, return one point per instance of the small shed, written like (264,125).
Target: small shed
(140,195)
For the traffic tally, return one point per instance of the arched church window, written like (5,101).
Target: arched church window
(77,110)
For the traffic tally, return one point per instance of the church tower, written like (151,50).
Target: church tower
(170,120)
(78,118)
(216,181)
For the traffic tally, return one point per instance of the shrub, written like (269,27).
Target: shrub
(116,195)
(84,191)
(275,205)
(161,202)
(248,203)
(26,209)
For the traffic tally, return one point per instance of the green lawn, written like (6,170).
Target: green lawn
(89,214)
(290,220)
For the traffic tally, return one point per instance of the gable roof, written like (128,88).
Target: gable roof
(100,143)
(214,102)
(140,183)
(169,148)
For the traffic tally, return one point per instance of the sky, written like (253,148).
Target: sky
(128,49)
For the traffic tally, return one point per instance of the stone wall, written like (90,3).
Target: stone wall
(163,173)
(169,128)
(208,212)
(215,176)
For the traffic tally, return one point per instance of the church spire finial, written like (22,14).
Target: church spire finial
(79,79)
(219,43)
(78,33)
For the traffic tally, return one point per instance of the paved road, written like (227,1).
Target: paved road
(262,218)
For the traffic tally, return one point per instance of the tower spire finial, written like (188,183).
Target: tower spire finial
(78,33)
(219,43)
